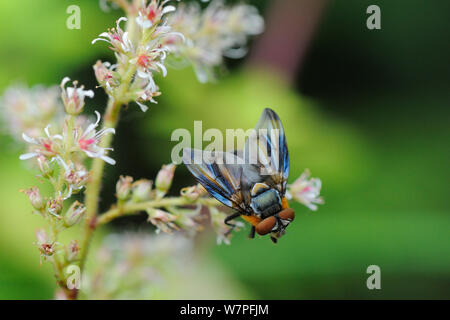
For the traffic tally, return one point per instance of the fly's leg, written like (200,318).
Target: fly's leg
(280,228)
(252,232)
(228,223)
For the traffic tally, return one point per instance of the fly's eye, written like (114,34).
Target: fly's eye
(265,226)
(287,214)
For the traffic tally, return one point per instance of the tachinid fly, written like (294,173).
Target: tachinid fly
(251,181)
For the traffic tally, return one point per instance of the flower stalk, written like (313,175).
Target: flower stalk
(132,208)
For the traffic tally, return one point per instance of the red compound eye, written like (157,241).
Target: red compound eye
(265,226)
(287,214)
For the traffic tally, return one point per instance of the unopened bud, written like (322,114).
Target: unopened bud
(142,190)
(103,74)
(45,166)
(193,192)
(123,187)
(74,214)
(34,195)
(164,179)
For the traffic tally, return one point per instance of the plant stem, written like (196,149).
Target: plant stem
(111,118)
(132,208)
(57,263)
(94,184)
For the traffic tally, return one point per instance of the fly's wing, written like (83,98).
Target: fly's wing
(220,173)
(267,149)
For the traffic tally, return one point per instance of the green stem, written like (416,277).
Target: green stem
(132,208)
(94,184)
(111,119)
(57,264)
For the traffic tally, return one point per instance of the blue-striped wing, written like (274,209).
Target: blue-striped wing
(268,147)
(220,173)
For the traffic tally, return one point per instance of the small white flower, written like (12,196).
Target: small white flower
(145,88)
(153,13)
(88,140)
(73,97)
(117,38)
(48,146)
(35,197)
(306,191)
(106,76)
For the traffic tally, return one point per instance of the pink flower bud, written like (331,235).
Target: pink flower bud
(74,214)
(164,179)
(142,190)
(45,166)
(123,187)
(193,192)
(34,195)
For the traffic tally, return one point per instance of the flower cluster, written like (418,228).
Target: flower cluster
(217,31)
(80,135)
(140,54)
(157,30)
(59,151)
(29,110)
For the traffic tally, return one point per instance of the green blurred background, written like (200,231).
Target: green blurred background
(367,112)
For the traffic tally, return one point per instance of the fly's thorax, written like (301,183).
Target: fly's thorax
(265,201)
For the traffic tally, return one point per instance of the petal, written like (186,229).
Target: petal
(28,139)
(89,93)
(142,106)
(27,156)
(168,9)
(47,132)
(109,160)
(64,81)
(120,20)
(163,68)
